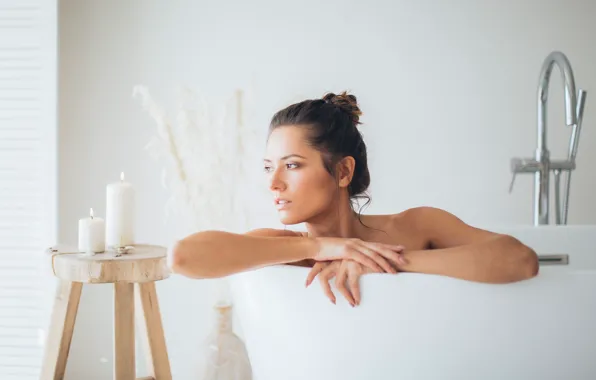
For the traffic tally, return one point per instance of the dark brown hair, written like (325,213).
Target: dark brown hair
(332,122)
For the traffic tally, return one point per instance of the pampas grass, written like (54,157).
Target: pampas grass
(207,155)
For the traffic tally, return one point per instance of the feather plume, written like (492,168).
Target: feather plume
(204,153)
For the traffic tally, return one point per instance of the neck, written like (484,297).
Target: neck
(339,220)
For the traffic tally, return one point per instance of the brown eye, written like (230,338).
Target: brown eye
(291,164)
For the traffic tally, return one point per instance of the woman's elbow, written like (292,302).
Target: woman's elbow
(181,259)
(531,263)
(176,256)
(526,260)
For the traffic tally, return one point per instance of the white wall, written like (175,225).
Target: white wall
(448,91)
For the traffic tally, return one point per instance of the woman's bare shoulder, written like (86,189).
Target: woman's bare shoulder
(272,232)
(413,214)
(397,219)
(405,227)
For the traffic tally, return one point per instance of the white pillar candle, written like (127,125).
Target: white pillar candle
(92,234)
(120,207)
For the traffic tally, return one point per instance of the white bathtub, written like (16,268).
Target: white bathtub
(415,326)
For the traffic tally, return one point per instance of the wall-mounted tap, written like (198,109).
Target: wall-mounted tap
(541,165)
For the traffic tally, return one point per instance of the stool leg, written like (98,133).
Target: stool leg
(124,332)
(64,315)
(154,339)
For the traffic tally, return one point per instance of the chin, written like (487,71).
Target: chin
(289,219)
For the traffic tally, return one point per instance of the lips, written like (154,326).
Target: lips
(281,203)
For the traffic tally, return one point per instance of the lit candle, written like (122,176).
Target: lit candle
(92,234)
(120,204)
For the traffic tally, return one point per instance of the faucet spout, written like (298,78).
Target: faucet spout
(558,58)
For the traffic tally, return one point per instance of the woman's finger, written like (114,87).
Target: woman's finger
(324,277)
(388,252)
(353,284)
(340,282)
(362,258)
(316,269)
(399,249)
(377,257)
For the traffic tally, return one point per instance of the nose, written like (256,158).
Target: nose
(276,183)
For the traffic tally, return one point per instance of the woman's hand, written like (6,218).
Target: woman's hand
(375,256)
(345,272)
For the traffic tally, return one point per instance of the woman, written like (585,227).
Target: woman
(316,165)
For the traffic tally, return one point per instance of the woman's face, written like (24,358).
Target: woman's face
(299,183)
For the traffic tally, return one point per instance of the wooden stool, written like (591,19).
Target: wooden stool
(140,268)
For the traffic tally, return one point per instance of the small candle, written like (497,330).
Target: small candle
(120,199)
(92,234)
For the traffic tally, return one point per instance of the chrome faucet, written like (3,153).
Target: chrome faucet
(541,165)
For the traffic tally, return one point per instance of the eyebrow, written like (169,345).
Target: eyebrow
(288,156)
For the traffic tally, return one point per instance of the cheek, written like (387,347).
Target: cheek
(313,184)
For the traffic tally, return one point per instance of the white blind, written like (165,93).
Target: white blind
(27,178)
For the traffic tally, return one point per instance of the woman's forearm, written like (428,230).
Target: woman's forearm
(212,254)
(500,260)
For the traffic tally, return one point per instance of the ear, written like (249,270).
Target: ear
(345,171)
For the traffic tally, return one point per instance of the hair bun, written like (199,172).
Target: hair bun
(346,103)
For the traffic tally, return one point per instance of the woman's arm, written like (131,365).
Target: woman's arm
(469,253)
(212,254)
(271,232)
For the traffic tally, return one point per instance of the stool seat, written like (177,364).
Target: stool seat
(133,274)
(142,263)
